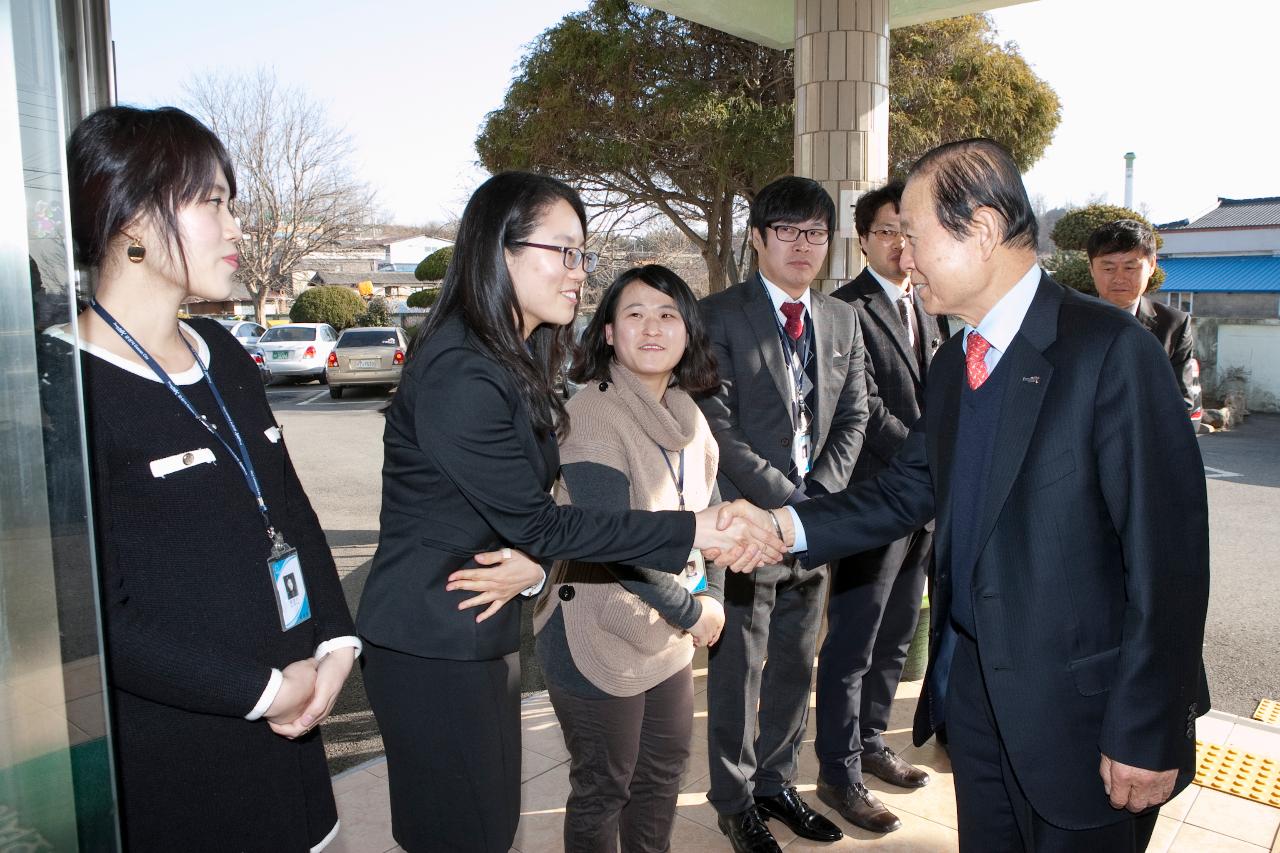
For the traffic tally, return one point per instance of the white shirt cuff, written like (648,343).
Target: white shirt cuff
(338,643)
(802,541)
(536,588)
(268,696)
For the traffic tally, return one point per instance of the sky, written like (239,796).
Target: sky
(1189,88)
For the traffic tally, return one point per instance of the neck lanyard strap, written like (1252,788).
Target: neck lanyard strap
(678,480)
(241,452)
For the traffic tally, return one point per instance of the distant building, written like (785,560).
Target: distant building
(1225,263)
(405,255)
(391,285)
(238,304)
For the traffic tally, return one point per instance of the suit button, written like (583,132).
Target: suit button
(786,442)
(566,593)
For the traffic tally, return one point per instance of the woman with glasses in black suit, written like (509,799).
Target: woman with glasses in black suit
(470,459)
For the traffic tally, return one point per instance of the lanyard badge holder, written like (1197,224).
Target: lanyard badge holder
(283,565)
(798,354)
(694,576)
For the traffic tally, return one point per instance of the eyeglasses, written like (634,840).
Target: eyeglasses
(573,258)
(790,234)
(888,235)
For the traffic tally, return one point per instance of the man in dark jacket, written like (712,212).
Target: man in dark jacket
(1122,257)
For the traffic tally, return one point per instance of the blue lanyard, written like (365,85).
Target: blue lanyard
(679,481)
(241,456)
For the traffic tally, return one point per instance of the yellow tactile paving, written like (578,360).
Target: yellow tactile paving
(1268,711)
(1234,771)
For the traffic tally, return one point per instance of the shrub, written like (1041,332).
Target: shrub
(434,265)
(424,298)
(1071,233)
(377,314)
(338,306)
(1071,268)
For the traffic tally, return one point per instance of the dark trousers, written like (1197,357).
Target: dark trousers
(764,657)
(627,757)
(993,814)
(451,730)
(871,617)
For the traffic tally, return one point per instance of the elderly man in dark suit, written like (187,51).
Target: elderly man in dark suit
(1122,258)
(1072,567)
(789,418)
(875,595)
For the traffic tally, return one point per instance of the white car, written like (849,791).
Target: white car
(246,332)
(298,350)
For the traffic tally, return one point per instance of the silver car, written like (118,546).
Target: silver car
(366,356)
(246,332)
(298,350)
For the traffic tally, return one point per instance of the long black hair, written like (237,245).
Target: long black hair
(124,163)
(695,373)
(477,286)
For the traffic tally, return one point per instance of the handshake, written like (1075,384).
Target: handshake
(741,537)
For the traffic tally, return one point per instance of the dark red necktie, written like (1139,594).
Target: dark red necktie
(975,355)
(794,312)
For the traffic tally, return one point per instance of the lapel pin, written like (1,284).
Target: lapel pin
(933,344)
(1034,380)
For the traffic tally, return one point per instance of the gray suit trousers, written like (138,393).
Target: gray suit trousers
(764,658)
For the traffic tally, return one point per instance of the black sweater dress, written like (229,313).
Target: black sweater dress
(191,627)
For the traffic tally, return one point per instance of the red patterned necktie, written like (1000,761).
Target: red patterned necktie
(975,363)
(794,312)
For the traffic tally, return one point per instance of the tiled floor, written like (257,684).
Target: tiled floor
(1197,821)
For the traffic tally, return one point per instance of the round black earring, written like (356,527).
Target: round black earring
(136,251)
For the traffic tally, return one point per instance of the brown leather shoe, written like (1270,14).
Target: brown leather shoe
(884,764)
(859,806)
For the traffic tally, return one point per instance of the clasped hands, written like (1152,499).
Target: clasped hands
(307,694)
(741,537)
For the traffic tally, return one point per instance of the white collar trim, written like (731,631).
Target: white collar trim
(190,376)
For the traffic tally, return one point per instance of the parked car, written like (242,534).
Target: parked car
(246,332)
(260,359)
(298,350)
(366,356)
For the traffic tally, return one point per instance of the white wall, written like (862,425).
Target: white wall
(1221,242)
(413,249)
(1256,348)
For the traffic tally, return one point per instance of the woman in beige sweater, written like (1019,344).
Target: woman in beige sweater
(616,642)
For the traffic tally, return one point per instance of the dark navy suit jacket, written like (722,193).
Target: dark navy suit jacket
(1091,579)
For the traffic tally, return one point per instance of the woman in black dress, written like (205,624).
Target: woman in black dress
(227,633)
(470,459)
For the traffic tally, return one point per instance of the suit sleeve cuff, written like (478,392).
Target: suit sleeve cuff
(268,696)
(802,541)
(536,588)
(339,643)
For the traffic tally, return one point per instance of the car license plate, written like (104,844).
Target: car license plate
(365,364)
(280,355)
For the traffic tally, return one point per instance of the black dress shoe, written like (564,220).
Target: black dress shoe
(859,806)
(884,764)
(748,833)
(799,818)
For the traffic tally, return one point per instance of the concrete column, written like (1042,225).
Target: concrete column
(842,112)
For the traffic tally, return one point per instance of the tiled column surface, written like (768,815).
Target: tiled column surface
(842,108)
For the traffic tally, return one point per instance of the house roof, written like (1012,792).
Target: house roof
(1222,274)
(351,279)
(1236,213)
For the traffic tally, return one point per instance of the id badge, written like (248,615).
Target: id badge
(289,586)
(695,573)
(800,453)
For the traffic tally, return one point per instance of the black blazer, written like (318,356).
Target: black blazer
(1092,578)
(465,472)
(1177,335)
(895,383)
(750,415)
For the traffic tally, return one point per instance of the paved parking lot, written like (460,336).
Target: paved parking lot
(336,446)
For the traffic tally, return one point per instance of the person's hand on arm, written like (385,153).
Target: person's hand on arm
(296,691)
(706,631)
(1134,788)
(502,576)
